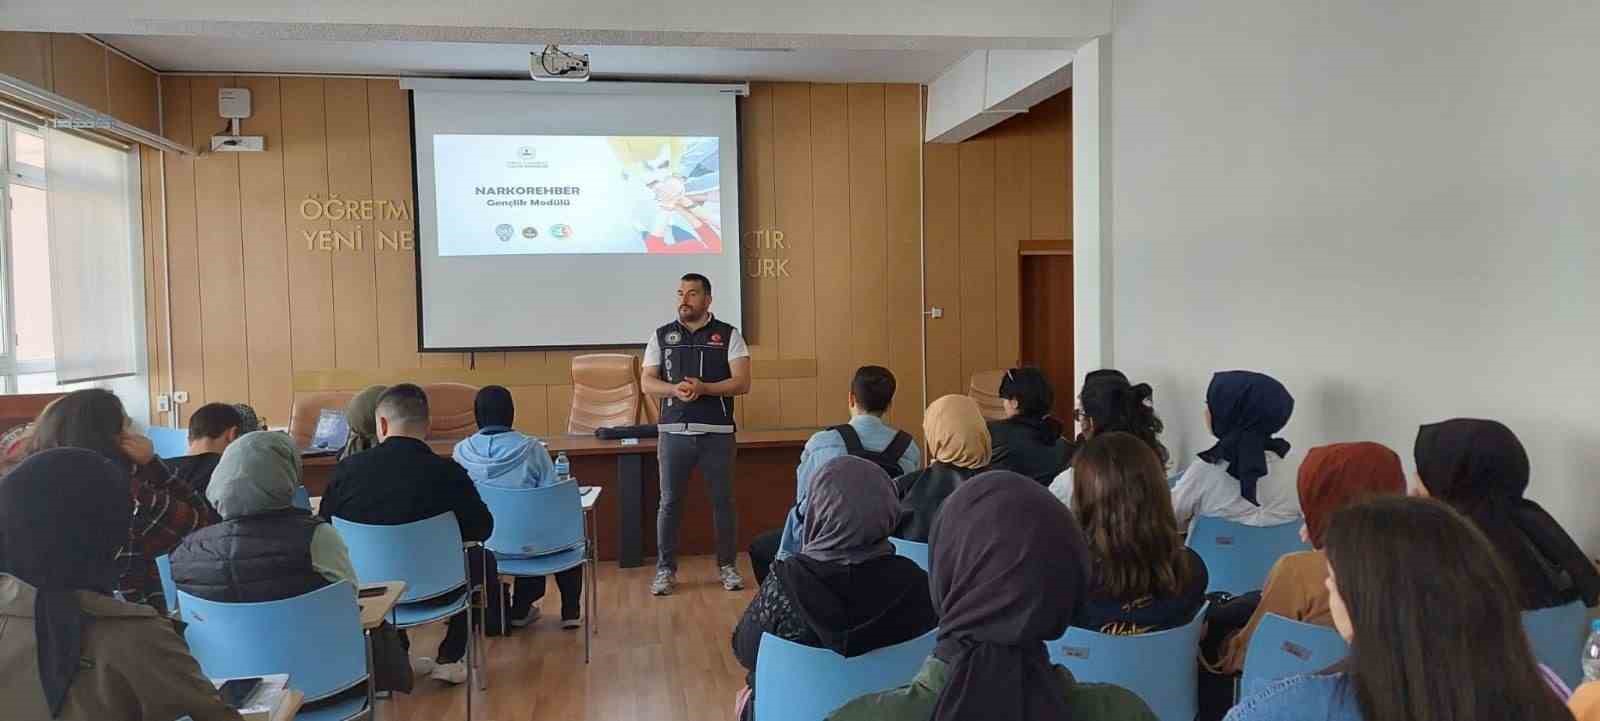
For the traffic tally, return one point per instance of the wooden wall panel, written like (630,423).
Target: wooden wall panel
(903,228)
(355,301)
(219,233)
(797,320)
(26,57)
(153,208)
(305,177)
(977,189)
(830,227)
(266,255)
(395,267)
(868,242)
(78,70)
(133,92)
(941,248)
(183,252)
(1051,147)
(1012,173)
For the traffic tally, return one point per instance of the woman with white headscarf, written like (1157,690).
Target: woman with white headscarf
(264,549)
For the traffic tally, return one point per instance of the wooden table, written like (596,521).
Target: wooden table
(763,488)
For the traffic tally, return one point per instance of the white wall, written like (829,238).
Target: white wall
(1392,207)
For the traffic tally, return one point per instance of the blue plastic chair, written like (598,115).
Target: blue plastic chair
(539,532)
(1162,668)
(1239,557)
(911,549)
(1557,635)
(1281,648)
(301,499)
(169,590)
(801,683)
(316,638)
(169,442)
(430,557)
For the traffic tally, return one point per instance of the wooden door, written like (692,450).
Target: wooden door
(1046,287)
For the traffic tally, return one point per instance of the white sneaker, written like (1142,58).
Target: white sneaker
(665,582)
(571,623)
(451,673)
(731,580)
(422,665)
(525,621)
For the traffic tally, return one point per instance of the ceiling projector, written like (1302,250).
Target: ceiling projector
(557,65)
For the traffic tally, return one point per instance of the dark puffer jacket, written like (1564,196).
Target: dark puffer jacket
(250,559)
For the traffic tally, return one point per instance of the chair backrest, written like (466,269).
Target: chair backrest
(534,521)
(985,389)
(801,683)
(169,589)
(450,412)
(605,392)
(169,442)
(426,554)
(1162,668)
(316,638)
(1238,557)
(1281,648)
(308,408)
(1557,635)
(911,549)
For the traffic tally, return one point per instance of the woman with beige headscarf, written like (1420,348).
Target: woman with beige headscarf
(960,448)
(362,418)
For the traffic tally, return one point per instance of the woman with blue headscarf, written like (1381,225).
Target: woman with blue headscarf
(1242,478)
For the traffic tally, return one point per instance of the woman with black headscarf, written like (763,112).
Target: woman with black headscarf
(1009,572)
(1028,440)
(845,590)
(68,649)
(1242,478)
(1480,468)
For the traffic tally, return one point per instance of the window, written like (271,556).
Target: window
(62,282)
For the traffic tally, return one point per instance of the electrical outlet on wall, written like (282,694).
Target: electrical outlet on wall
(180,397)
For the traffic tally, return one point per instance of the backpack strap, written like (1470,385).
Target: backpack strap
(852,440)
(897,447)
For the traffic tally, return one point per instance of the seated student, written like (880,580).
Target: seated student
(211,428)
(1431,638)
(958,443)
(249,422)
(361,420)
(1143,578)
(845,590)
(402,480)
(1332,478)
(871,393)
(1028,440)
(1108,403)
(498,456)
(1242,478)
(1480,468)
(1009,571)
(69,650)
(264,549)
(164,510)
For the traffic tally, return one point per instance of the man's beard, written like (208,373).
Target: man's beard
(690,315)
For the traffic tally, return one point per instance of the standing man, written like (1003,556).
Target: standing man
(696,365)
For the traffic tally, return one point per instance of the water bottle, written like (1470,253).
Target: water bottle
(1591,653)
(563,468)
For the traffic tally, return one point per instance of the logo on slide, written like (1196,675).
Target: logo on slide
(530,232)
(503,230)
(527,156)
(526,152)
(561,231)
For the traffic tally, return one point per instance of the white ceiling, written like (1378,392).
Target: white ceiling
(197,53)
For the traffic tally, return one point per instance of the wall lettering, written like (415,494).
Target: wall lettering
(764,254)
(335,208)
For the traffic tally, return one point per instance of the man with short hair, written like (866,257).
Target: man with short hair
(695,365)
(402,480)
(211,428)
(865,436)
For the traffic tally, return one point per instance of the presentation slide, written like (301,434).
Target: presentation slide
(564,194)
(562,215)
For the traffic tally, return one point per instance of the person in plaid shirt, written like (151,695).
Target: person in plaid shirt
(164,509)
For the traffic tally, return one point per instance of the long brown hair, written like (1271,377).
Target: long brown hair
(1120,496)
(91,418)
(1437,628)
